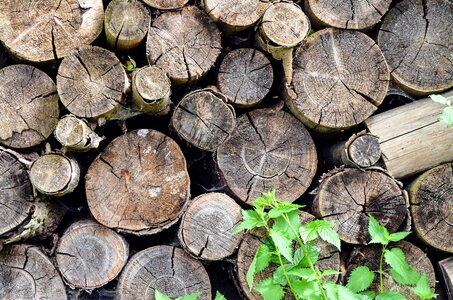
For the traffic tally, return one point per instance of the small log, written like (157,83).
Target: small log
(151,89)
(38,31)
(27,273)
(126,24)
(28,106)
(340,77)
(354,14)
(416,38)
(74,134)
(166,269)
(268,150)
(139,184)
(166,4)
(204,119)
(346,197)
(446,268)
(91,82)
(431,197)
(90,255)
(245,77)
(370,256)
(411,138)
(184,43)
(207,226)
(235,15)
(55,174)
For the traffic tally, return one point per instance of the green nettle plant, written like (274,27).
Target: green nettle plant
(447,114)
(195,296)
(130,65)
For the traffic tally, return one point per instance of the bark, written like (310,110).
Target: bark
(38,31)
(204,119)
(416,38)
(166,269)
(340,77)
(166,4)
(446,268)
(139,184)
(74,134)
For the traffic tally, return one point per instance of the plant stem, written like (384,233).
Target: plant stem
(286,275)
(381,284)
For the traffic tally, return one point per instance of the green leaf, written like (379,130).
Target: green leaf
(301,272)
(331,290)
(193,296)
(298,256)
(397,261)
(379,234)
(283,208)
(398,236)
(369,294)
(313,253)
(447,116)
(283,244)
(345,293)
(270,290)
(423,289)
(307,290)
(279,274)
(439,99)
(259,263)
(261,202)
(160,296)
(330,236)
(308,234)
(219,296)
(281,225)
(390,296)
(329,272)
(250,219)
(410,278)
(360,279)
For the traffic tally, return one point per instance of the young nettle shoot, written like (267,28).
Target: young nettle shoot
(130,65)
(195,296)
(447,114)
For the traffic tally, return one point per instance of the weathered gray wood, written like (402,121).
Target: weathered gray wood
(74,134)
(166,4)
(446,268)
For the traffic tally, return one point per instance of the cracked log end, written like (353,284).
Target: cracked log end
(346,197)
(90,255)
(139,184)
(340,77)
(431,197)
(165,268)
(207,225)
(75,134)
(416,38)
(267,150)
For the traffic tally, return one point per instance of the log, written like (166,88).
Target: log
(268,150)
(39,31)
(245,77)
(184,43)
(151,89)
(354,14)
(28,106)
(207,225)
(90,255)
(446,268)
(411,138)
(204,119)
(346,196)
(370,255)
(139,184)
(166,269)
(126,24)
(27,273)
(329,258)
(166,4)
(74,134)
(91,82)
(55,174)
(431,199)
(416,38)
(340,77)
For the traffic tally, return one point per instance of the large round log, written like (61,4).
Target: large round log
(139,184)
(166,269)
(416,38)
(346,197)
(207,225)
(28,106)
(90,255)
(268,150)
(26,273)
(431,197)
(340,77)
(42,31)
(184,43)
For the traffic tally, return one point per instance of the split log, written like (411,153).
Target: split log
(166,4)
(431,197)
(354,14)
(74,134)
(268,150)
(340,78)
(126,24)
(91,82)
(207,225)
(329,258)
(166,269)
(43,31)
(446,268)
(370,256)
(139,184)
(411,138)
(346,197)
(90,255)
(55,174)
(204,119)
(184,43)
(27,273)
(245,77)
(416,38)
(151,89)
(28,106)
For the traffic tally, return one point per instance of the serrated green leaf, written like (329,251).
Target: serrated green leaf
(326,273)
(301,272)
(396,259)
(160,296)
(279,274)
(390,296)
(308,234)
(398,236)
(379,234)
(261,202)
(260,261)
(298,256)
(250,220)
(369,294)
(423,288)
(330,236)
(270,290)
(411,277)
(439,99)
(307,290)
(283,208)
(313,254)
(360,279)
(219,296)
(193,296)
(331,290)
(345,293)
(281,225)
(283,244)
(447,116)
